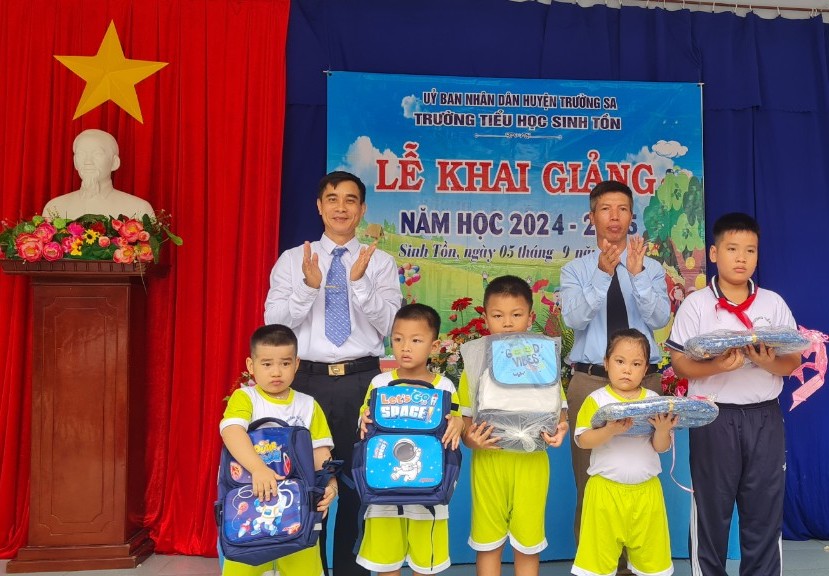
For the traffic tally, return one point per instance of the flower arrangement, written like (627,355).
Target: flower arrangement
(673,385)
(89,237)
(447,360)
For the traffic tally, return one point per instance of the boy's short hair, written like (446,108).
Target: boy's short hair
(606,187)
(338,176)
(628,334)
(735,222)
(509,286)
(272,335)
(420,312)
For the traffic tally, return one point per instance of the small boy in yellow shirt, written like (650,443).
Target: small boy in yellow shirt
(411,533)
(509,489)
(273,363)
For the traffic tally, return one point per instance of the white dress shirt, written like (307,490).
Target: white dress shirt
(373,301)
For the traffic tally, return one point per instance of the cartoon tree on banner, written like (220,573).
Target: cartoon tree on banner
(672,223)
(675,231)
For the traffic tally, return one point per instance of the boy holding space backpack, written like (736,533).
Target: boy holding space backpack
(273,363)
(410,533)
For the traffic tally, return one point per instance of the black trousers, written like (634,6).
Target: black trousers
(739,458)
(340,397)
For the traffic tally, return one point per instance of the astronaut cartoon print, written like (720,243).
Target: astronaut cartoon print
(408,456)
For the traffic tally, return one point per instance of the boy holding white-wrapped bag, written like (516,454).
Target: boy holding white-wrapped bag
(509,487)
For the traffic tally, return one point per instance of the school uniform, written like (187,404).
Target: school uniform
(509,494)
(623,501)
(252,403)
(741,456)
(411,534)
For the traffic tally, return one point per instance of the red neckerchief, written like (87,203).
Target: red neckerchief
(737,309)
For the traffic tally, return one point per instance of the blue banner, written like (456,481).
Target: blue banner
(471,178)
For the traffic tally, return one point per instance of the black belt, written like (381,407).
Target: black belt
(598,369)
(363,364)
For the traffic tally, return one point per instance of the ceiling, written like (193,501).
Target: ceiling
(795,9)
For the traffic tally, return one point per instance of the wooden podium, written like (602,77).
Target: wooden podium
(89,404)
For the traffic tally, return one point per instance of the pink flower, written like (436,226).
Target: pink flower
(104,241)
(25,237)
(75,229)
(143,252)
(52,251)
(120,242)
(124,255)
(116,224)
(130,230)
(143,236)
(45,231)
(29,247)
(66,244)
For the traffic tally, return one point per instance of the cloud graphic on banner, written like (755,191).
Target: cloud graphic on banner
(410,105)
(361,160)
(670,149)
(645,155)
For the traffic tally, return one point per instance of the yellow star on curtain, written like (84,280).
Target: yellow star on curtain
(110,76)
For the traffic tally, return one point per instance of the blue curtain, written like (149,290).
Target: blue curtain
(766,130)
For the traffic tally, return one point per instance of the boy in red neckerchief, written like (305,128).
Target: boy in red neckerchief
(741,456)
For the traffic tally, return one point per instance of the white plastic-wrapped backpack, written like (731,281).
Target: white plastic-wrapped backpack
(515,385)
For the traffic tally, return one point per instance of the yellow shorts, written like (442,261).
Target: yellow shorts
(509,498)
(630,515)
(303,563)
(389,542)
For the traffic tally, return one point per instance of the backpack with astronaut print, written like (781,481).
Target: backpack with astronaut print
(255,532)
(401,460)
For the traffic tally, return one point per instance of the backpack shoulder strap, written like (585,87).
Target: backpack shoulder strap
(268,420)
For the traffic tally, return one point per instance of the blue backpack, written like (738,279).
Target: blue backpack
(255,532)
(401,460)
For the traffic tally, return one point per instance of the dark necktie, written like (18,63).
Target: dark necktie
(617,312)
(337,319)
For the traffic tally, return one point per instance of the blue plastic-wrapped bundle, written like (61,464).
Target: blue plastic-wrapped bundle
(692,412)
(784,341)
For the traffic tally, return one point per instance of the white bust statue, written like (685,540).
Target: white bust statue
(96,157)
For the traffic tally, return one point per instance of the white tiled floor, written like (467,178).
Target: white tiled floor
(810,558)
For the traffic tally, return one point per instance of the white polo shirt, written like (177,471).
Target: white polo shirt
(623,459)
(699,314)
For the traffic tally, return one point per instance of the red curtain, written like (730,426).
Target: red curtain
(209,152)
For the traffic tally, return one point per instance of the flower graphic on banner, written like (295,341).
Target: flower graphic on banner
(90,237)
